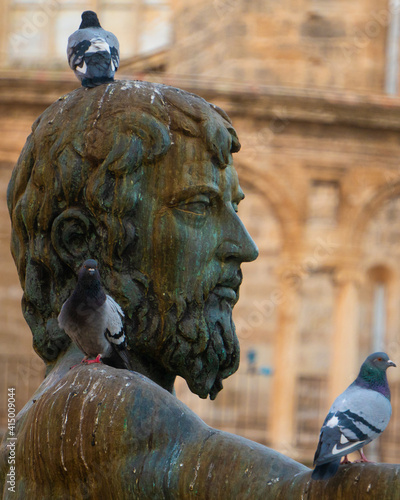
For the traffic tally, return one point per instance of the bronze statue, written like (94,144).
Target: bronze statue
(139,176)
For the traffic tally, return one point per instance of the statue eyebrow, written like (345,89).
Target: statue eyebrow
(190,191)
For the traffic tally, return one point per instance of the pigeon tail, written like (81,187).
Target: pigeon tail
(94,82)
(325,471)
(118,358)
(98,65)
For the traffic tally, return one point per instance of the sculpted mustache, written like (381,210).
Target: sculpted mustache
(230,278)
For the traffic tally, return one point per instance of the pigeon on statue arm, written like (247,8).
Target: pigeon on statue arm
(359,415)
(92,52)
(94,321)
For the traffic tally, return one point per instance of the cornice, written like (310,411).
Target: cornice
(258,102)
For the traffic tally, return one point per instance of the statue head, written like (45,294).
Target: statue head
(138,176)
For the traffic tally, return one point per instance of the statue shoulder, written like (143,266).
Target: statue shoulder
(97,395)
(101,423)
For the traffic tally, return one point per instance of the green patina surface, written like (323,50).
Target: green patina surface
(140,177)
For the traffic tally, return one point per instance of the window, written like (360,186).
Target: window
(323,202)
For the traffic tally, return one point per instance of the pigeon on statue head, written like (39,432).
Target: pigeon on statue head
(359,415)
(93,320)
(93,53)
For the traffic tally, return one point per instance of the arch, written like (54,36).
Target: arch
(369,210)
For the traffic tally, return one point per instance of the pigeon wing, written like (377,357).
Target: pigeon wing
(76,53)
(114,327)
(114,58)
(356,418)
(112,41)
(116,336)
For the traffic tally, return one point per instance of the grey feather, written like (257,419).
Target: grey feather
(358,416)
(93,320)
(92,52)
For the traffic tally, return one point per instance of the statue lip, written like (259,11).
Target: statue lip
(228,288)
(231,280)
(226,292)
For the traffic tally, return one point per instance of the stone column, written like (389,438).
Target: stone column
(282,419)
(344,359)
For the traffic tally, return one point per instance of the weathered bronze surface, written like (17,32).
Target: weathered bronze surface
(140,177)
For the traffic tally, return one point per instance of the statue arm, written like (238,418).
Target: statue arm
(188,458)
(194,460)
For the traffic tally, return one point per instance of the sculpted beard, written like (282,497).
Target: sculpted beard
(201,346)
(197,339)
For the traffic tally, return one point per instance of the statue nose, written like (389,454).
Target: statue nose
(246,252)
(237,243)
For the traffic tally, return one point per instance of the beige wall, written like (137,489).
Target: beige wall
(299,43)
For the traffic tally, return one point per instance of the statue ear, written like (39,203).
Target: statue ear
(73,237)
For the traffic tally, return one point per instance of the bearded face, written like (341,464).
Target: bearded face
(193,338)
(190,245)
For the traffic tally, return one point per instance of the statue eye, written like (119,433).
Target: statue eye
(197,205)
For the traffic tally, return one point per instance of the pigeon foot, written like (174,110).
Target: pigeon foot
(363,459)
(345,460)
(91,361)
(82,362)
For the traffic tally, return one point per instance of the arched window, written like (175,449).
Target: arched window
(374,311)
(378,316)
(380,260)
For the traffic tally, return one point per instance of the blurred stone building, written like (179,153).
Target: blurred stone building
(312,89)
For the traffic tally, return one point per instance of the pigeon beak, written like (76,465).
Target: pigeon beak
(390,363)
(92,270)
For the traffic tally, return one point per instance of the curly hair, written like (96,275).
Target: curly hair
(78,171)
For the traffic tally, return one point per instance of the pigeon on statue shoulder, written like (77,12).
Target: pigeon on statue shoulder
(359,415)
(93,53)
(93,320)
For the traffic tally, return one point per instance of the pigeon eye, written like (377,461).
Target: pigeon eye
(379,359)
